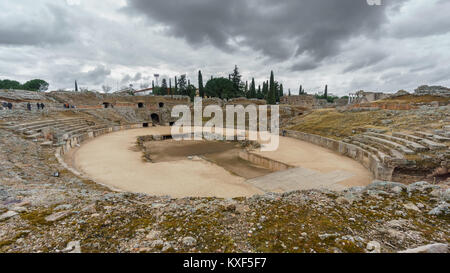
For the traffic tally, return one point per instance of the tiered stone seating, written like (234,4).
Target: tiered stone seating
(424,141)
(416,147)
(379,149)
(62,129)
(394,149)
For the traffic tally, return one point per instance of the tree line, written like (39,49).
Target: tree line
(32,85)
(223,88)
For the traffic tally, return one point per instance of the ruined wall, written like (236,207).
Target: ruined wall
(299,100)
(268,163)
(433,90)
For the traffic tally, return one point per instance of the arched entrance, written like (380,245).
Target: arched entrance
(106,105)
(161,104)
(155,118)
(140,105)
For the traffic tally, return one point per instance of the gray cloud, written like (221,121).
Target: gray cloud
(92,77)
(47,24)
(278,29)
(343,43)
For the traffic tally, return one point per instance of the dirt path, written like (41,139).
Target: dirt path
(113,160)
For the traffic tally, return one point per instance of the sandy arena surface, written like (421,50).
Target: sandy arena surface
(113,160)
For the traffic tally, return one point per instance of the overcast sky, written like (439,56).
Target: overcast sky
(346,44)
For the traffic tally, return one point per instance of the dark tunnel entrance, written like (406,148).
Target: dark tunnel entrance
(155,118)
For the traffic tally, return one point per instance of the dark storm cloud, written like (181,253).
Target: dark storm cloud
(278,29)
(47,24)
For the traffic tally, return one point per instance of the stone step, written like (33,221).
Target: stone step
(35,136)
(408,137)
(372,150)
(432,136)
(394,145)
(44,125)
(47,144)
(384,148)
(441,138)
(39,129)
(433,145)
(442,133)
(37,123)
(410,144)
(80,131)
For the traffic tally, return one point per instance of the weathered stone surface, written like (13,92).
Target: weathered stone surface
(57,216)
(442,209)
(189,241)
(7,215)
(373,247)
(72,247)
(433,248)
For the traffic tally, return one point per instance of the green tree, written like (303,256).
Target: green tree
(201,90)
(36,85)
(182,86)
(252,92)
(271,96)
(191,91)
(260,95)
(301,91)
(325,94)
(10,84)
(246,93)
(220,88)
(235,77)
(176,86)
(163,89)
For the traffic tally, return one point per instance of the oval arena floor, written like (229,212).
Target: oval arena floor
(115,161)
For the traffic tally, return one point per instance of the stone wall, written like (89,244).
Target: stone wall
(268,163)
(371,162)
(73,142)
(299,100)
(433,90)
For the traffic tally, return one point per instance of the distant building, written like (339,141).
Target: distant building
(433,90)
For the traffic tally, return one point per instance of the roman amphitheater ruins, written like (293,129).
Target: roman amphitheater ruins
(102,173)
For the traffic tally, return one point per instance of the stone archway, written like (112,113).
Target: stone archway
(140,105)
(155,118)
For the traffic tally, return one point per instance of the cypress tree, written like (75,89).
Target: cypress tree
(259,94)
(176,86)
(326,92)
(271,96)
(252,92)
(200,84)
